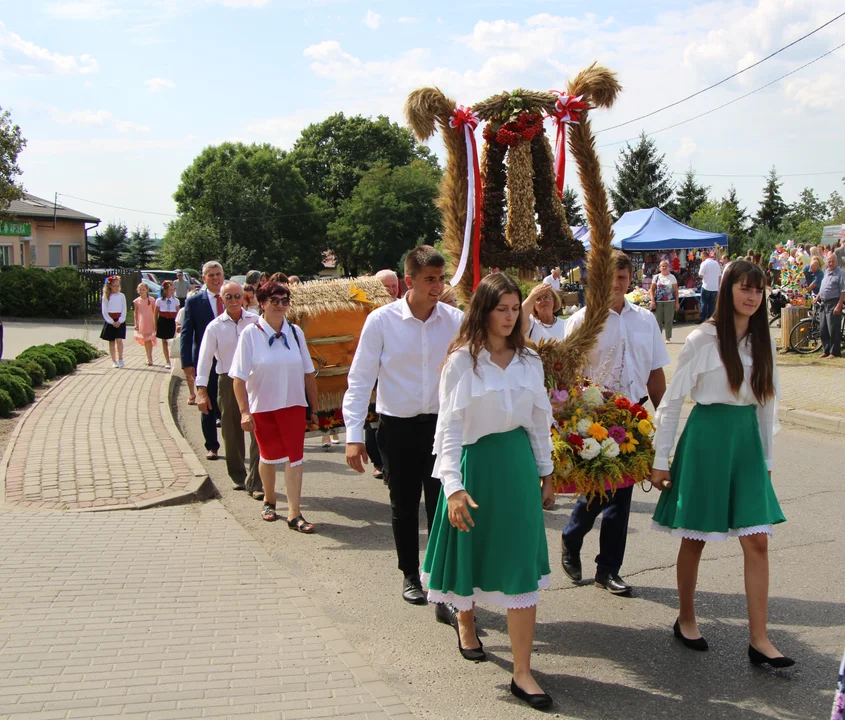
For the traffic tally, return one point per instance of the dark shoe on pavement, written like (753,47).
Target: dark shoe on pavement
(238,486)
(446,613)
(612,583)
(571,562)
(211,455)
(699,644)
(538,701)
(776,663)
(473,654)
(412,591)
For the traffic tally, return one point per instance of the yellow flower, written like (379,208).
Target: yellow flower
(630,444)
(644,427)
(597,431)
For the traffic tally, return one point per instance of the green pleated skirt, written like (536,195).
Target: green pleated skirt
(504,559)
(720,484)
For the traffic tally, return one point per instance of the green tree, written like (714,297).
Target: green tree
(255,206)
(835,205)
(689,197)
(391,210)
(11,145)
(572,208)
(333,155)
(106,249)
(737,222)
(642,178)
(773,210)
(139,252)
(808,207)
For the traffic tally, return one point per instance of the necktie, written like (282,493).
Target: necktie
(278,335)
(219,304)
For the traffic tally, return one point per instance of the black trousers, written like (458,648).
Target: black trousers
(209,422)
(613,536)
(831,327)
(406,445)
(371,444)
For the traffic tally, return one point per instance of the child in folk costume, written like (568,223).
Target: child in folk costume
(145,324)
(114,319)
(727,367)
(166,309)
(493,444)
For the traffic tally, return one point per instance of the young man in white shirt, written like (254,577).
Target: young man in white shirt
(219,343)
(711,274)
(553,280)
(403,346)
(628,358)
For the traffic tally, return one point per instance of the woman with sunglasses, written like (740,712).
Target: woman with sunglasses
(273,374)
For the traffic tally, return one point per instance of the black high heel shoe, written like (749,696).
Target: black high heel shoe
(778,663)
(474,654)
(538,701)
(699,644)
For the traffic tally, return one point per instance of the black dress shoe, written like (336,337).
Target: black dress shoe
(446,613)
(474,654)
(571,562)
(538,701)
(412,591)
(777,663)
(699,644)
(612,583)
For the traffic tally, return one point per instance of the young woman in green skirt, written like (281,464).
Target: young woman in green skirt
(493,448)
(720,482)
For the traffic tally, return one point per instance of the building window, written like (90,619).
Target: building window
(33,256)
(54,256)
(5,254)
(73,255)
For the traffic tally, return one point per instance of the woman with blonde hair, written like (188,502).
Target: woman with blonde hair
(145,322)
(538,315)
(449,296)
(665,300)
(114,319)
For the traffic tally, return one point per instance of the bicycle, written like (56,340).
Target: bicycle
(806,337)
(777,302)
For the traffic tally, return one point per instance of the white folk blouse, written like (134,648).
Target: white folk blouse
(487,400)
(538,330)
(701,375)
(115,304)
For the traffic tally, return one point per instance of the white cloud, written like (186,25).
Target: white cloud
(243,3)
(283,131)
(372,20)
(94,118)
(156,84)
(686,150)
(408,20)
(823,93)
(42,60)
(83,10)
(126,126)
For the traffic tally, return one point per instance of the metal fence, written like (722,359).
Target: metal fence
(95,280)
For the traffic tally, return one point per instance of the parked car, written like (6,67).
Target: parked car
(151,281)
(240,279)
(159,276)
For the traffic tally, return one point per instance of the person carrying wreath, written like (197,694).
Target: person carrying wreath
(727,367)
(665,300)
(494,459)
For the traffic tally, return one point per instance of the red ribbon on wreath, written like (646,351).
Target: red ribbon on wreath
(566,112)
(463,119)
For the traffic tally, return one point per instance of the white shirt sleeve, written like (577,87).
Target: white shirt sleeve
(242,360)
(767,417)
(540,432)
(104,305)
(122,301)
(208,349)
(450,428)
(668,414)
(362,378)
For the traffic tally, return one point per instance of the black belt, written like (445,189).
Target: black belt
(430,417)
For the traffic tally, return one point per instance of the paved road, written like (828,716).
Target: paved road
(600,656)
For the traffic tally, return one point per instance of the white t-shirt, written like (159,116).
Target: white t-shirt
(710,271)
(168,305)
(540,331)
(274,374)
(553,281)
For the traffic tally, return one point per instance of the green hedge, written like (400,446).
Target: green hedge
(32,368)
(33,292)
(6,404)
(41,359)
(83,352)
(16,389)
(63,359)
(16,371)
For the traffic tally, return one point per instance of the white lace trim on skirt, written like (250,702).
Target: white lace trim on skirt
(713,536)
(493,597)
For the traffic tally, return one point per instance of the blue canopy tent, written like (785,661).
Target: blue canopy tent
(652,229)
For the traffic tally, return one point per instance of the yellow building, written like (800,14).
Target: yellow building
(43,234)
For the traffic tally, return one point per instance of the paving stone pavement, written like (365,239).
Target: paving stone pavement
(101,438)
(162,614)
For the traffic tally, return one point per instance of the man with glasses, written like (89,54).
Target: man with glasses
(218,344)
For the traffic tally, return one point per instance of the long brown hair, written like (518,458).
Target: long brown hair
(473,332)
(762,370)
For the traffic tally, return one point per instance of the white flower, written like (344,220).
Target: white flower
(609,448)
(592,397)
(584,427)
(590,450)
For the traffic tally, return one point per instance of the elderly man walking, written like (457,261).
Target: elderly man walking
(200,310)
(218,344)
(832,298)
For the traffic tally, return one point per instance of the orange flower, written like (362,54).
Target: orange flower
(598,432)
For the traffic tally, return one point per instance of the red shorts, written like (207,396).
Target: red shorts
(280,435)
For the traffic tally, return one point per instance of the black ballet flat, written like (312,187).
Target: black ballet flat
(539,701)
(699,644)
(777,663)
(474,654)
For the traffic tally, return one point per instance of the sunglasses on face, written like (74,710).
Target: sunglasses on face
(276,301)
(230,296)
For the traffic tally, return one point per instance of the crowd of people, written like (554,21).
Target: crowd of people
(464,424)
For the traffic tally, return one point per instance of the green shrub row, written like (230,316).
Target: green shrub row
(36,364)
(34,292)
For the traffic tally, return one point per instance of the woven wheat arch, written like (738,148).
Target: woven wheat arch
(518,190)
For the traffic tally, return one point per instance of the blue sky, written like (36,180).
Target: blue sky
(117,97)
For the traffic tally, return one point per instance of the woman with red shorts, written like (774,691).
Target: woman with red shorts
(272,373)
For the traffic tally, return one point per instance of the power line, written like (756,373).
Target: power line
(759,175)
(721,82)
(731,102)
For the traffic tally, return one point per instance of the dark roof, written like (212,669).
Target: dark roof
(30,206)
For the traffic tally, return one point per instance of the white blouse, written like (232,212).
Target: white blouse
(701,375)
(168,305)
(487,400)
(115,304)
(540,331)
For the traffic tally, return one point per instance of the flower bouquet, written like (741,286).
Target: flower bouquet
(602,441)
(638,296)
